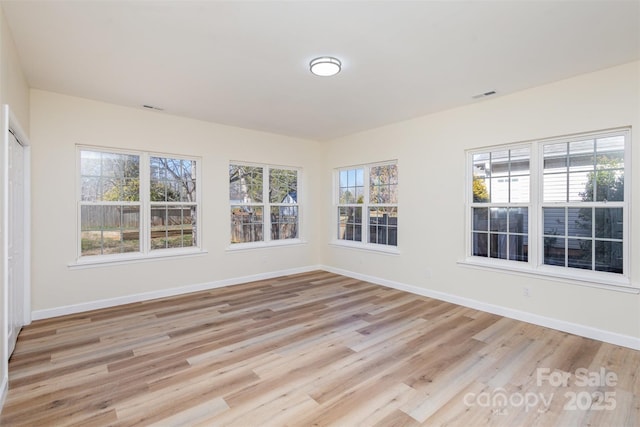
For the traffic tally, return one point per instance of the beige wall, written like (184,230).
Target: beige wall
(60,122)
(15,92)
(431,156)
(14,89)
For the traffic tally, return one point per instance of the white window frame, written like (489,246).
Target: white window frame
(145,253)
(365,206)
(266,206)
(535,265)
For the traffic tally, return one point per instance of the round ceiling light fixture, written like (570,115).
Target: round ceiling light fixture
(325,66)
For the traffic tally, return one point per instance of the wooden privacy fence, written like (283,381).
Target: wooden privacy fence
(129,217)
(248,227)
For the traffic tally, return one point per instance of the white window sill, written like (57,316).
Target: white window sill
(368,247)
(239,247)
(592,279)
(133,258)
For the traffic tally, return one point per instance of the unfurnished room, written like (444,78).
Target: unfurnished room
(320,213)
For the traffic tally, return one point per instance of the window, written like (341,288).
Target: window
(500,204)
(583,203)
(173,203)
(263,198)
(110,204)
(367,204)
(135,203)
(557,206)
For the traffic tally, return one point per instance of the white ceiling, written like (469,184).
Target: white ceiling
(245,63)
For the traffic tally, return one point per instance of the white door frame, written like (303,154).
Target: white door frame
(10,123)
(14,126)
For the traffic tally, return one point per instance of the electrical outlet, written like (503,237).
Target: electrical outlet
(526,292)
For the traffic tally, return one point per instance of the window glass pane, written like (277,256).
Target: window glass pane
(581,166)
(172,226)
(91,189)
(172,180)
(109,229)
(498,245)
(351,189)
(579,254)
(579,222)
(520,189)
(158,223)
(245,184)
(480,244)
(519,220)
(109,176)
(498,220)
(579,183)
(499,163)
(610,152)
(359,178)
(90,163)
(555,172)
(581,157)
(609,256)
(554,221)
(555,187)
(383,226)
(500,190)
(609,223)
(246,224)
(347,196)
(509,177)
(554,250)
(113,164)
(351,177)
(131,189)
(383,182)
(393,194)
(284,222)
(555,157)
(343,179)
(518,247)
(520,161)
(283,186)
(481,163)
(481,168)
(480,190)
(480,219)
(375,195)
(350,223)
(609,186)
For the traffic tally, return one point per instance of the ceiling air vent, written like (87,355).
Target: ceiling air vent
(151,107)
(484,95)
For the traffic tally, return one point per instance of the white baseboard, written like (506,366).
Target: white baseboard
(561,325)
(146,296)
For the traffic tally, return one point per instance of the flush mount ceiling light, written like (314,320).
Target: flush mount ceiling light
(325,66)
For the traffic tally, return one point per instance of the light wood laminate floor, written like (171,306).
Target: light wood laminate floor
(313,349)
